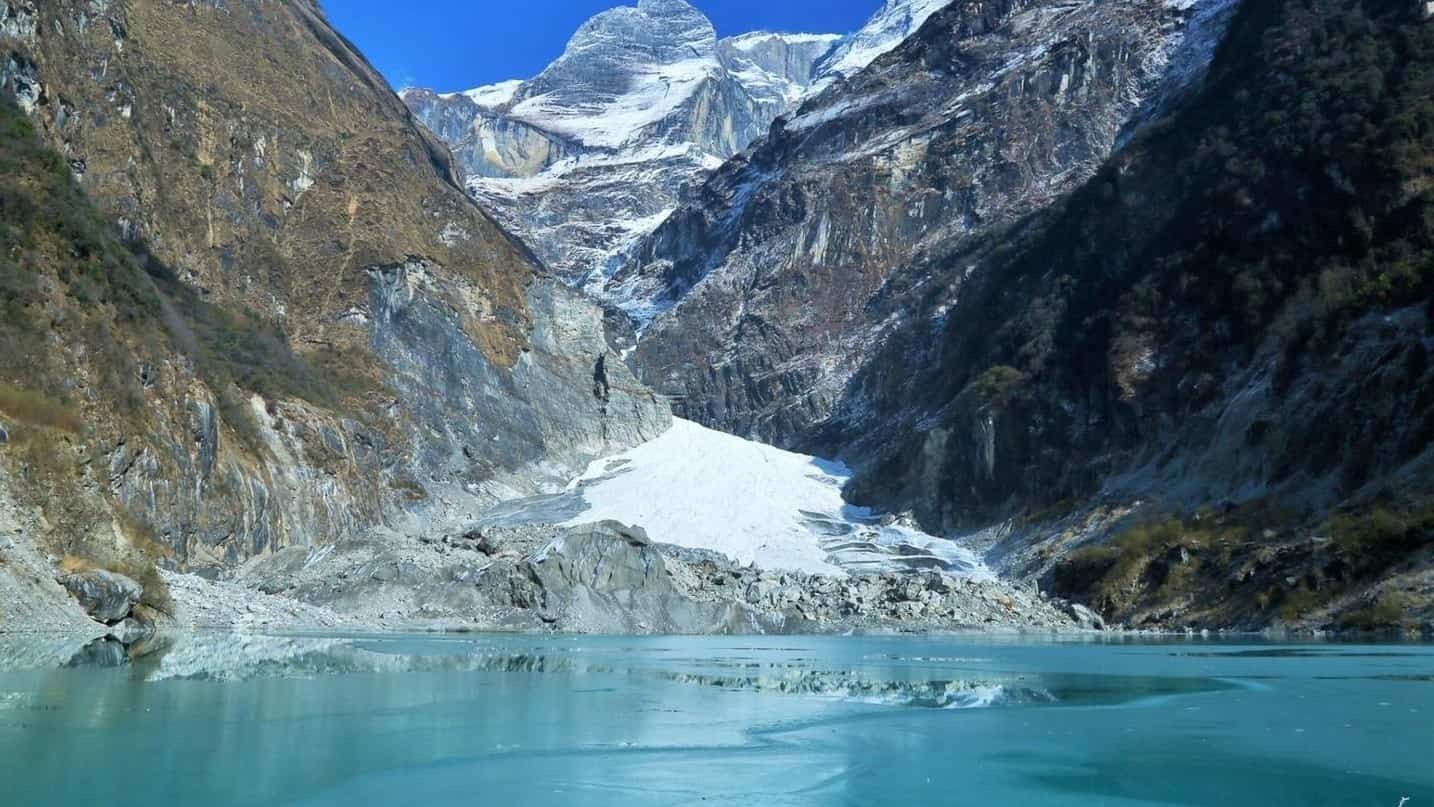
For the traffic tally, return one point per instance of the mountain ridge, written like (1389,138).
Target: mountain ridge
(593,153)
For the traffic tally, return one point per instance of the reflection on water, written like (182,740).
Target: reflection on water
(235,719)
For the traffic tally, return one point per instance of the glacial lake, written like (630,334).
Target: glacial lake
(531,721)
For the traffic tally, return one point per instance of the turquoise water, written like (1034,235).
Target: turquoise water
(220,720)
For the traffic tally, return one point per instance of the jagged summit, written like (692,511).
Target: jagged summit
(592,154)
(623,70)
(597,149)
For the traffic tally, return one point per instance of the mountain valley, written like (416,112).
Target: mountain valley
(1023,315)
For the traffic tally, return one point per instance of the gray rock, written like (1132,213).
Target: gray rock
(4,435)
(485,542)
(107,597)
(605,557)
(102,652)
(609,577)
(635,536)
(1086,618)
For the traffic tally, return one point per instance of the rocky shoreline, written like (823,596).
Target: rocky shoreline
(610,578)
(603,578)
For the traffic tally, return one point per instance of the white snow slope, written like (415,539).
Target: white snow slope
(891,25)
(703,489)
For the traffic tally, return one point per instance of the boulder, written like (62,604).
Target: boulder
(106,596)
(937,582)
(600,557)
(485,542)
(635,536)
(609,578)
(1085,617)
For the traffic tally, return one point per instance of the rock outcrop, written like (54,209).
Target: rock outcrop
(609,578)
(107,597)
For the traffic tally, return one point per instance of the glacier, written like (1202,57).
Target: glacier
(703,489)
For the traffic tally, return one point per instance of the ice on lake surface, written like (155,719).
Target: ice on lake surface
(530,721)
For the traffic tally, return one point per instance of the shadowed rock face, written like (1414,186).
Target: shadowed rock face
(332,334)
(1170,331)
(765,294)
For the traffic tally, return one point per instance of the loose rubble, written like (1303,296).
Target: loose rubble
(610,578)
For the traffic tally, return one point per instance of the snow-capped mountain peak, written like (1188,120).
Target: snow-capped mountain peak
(599,147)
(780,65)
(624,70)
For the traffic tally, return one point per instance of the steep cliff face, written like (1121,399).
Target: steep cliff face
(1226,330)
(596,150)
(307,325)
(761,298)
(1215,290)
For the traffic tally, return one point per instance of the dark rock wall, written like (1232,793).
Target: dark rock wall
(783,276)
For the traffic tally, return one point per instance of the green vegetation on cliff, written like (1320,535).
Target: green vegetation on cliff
(64,272)
(1245,568)
(1293,194)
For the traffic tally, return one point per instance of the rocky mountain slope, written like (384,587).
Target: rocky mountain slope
(760,298)
(248,304)
(1131,295)
(1153,339)
(891,25)
(592,154)
(1207,369)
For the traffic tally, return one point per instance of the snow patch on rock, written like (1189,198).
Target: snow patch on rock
(491,95)
(703,489)
(889,27)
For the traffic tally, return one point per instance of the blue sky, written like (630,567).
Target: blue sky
(457,44)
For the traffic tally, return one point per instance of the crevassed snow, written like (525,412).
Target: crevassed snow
(703,489)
